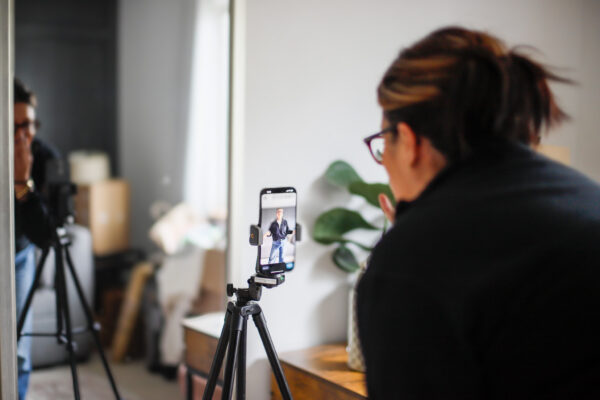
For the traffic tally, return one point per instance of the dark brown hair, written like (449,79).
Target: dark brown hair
(23,95)
(463,89)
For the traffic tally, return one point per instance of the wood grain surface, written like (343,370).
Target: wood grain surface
(200,350)
(320,373)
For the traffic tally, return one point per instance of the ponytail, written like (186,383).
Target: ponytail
(532,100)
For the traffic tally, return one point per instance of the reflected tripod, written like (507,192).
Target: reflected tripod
(233,339)
(64,331)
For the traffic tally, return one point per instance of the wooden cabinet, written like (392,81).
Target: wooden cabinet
(320,373)
(201,338)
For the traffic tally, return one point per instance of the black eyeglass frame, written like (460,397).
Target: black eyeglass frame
(369,139)
(26,124)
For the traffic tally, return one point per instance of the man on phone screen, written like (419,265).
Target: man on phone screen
(278,230)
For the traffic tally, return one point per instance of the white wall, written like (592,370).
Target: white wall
(587,149)
(309,76)
(153,71)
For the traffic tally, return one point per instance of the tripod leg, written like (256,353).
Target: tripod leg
(234,343)
(217,362)
(241,370)
(189,385)
(62,293)
(60,337)
(261,325)
(36,282)
(94,328)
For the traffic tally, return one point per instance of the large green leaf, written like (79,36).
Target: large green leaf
(345,259)
(342,174)
(331,226)
(370,191)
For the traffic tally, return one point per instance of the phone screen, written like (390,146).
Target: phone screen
(278,223)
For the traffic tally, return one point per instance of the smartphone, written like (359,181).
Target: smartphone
(277,219)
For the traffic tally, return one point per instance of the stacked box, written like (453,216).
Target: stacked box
(104,207)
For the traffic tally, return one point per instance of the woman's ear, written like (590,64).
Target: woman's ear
(409,144)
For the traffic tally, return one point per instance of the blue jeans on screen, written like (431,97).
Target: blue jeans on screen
(277,246)
(24,275)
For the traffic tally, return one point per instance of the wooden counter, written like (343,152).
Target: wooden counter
(320,373)
(201,338)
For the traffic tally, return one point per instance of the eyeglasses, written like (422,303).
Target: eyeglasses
(28,124)
(376,143)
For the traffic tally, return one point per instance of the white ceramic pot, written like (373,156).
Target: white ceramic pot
(355,356)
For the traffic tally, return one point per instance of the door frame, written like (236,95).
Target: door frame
(8,323)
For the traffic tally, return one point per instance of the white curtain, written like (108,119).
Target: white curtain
(205,175)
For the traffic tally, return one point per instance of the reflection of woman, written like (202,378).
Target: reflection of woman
(32,220)
(487,284)
(278,230)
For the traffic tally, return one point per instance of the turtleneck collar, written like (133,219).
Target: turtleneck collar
(402,206)
(496,149)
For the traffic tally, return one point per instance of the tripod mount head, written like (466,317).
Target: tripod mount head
(58,191)
(254,290)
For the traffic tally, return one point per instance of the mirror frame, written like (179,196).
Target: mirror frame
(8,325)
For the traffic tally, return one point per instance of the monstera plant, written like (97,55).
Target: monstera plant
(333,225)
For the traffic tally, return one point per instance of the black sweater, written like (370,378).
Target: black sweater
(488,285)
(279,232)
(32,220)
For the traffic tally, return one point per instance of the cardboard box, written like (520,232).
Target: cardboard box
(104,208)
(557,153)
(211,295)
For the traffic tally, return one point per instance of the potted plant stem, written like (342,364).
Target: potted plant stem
(333,227)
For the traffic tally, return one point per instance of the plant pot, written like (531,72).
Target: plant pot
(356,360)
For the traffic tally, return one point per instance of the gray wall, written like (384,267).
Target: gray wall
(154,59)
(65,52)
(310,70)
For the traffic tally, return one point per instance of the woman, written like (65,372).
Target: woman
(32,220)
(487,285)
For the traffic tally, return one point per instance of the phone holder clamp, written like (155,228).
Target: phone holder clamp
(256,234)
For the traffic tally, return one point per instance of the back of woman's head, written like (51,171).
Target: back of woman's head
(463,90)
(22,94)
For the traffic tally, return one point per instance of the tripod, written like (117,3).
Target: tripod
(233,339)
(64,331)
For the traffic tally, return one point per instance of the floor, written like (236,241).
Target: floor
(134,382)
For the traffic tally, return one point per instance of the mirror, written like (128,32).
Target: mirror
(135,95)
